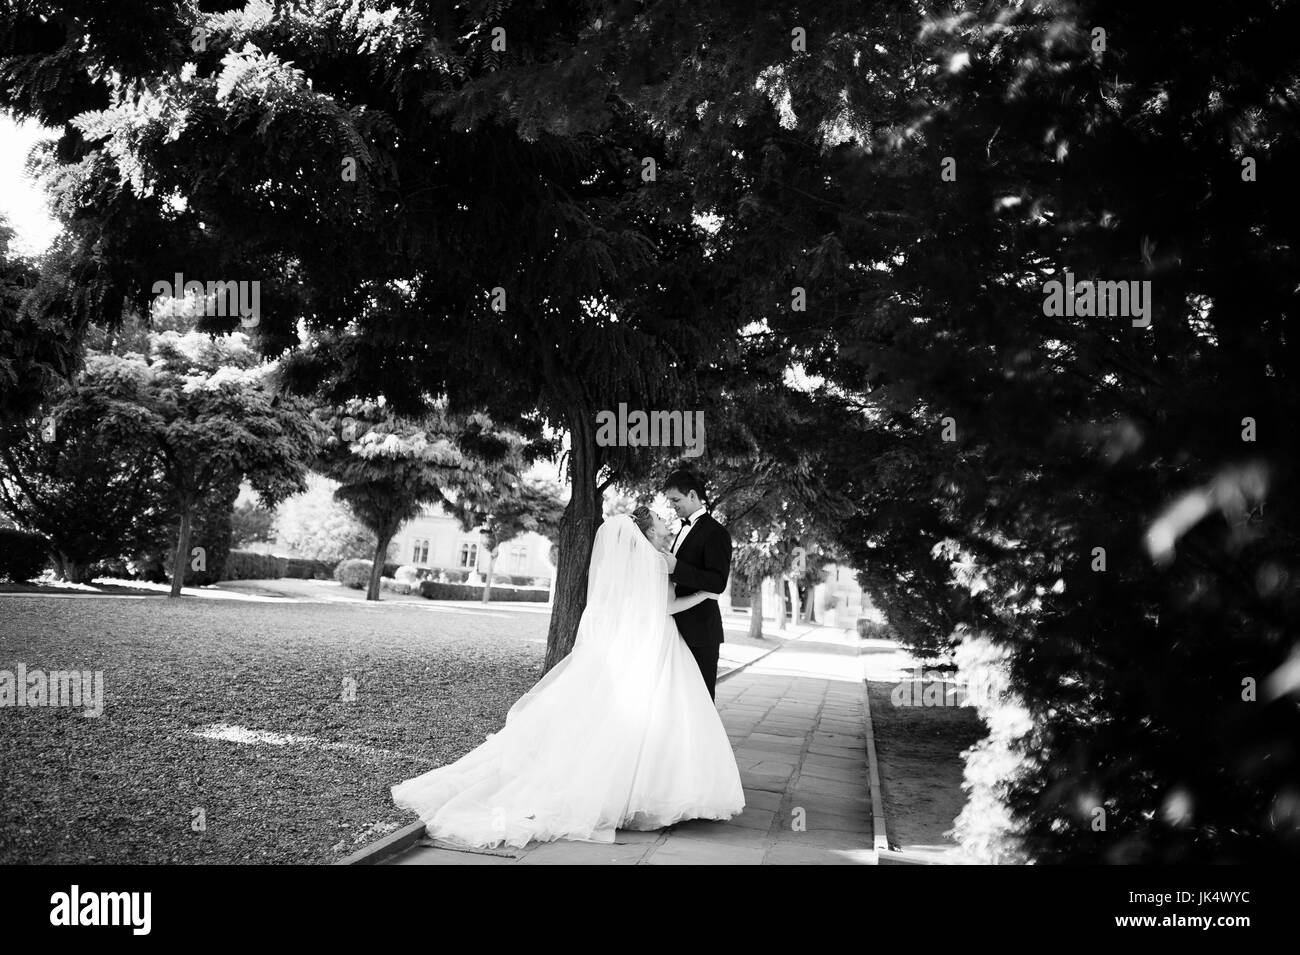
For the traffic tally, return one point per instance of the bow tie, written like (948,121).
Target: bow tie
(686,522)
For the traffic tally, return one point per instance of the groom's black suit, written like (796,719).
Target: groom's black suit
(703,563)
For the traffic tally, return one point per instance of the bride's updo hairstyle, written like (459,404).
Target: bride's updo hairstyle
(643,520)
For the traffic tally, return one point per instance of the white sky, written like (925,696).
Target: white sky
(21,198)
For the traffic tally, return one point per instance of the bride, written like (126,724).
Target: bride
(620,734)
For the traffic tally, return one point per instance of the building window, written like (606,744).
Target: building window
(469,555)
(420,553)
(518,557)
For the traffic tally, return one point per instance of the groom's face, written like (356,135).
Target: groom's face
(684,505)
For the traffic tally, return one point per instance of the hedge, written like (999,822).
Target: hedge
(304,569)
(432,590)
(22,555)
(245,565)
(426,573)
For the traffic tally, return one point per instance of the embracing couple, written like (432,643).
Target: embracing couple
(622,733)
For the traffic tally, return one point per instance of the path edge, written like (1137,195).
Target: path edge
(393,844)
(879,834)
(807,629)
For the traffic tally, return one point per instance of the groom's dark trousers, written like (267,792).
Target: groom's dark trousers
(703,563)
(706,657)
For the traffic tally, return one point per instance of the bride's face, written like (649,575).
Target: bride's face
(658,530)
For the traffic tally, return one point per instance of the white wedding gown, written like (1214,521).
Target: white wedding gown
(620,734)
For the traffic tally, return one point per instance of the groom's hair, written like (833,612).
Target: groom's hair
(683,482)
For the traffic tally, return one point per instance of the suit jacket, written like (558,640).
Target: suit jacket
(703,563)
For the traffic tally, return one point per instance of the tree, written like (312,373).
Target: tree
(38,349)
(1091,497)
(212,414)
(79,473)
(1028,476)
(251,524)
(540,266)
(812,575)
(389,468)
(754,562)
(318,526)
(506,512)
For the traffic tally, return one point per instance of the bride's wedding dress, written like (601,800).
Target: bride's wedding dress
(620,734)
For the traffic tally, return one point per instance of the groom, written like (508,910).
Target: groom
(699,559)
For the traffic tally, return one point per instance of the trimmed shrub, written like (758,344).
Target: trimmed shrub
(153,568)
(521,581)
(408,573)
(390,569)
(874,630)
(456,576)
(303,569)
(116,568)
(395,586)
(22,555)
(354,573)
(433,590)
(245,565)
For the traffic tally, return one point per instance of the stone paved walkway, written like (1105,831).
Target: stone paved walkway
(796,721)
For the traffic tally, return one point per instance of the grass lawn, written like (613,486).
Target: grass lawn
(125,786)
(921,771)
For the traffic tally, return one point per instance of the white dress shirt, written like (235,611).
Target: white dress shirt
(681,538)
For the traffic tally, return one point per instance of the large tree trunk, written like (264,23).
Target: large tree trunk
(377,566)
(810,606)
(182,555)
(756,612)
(577,532)
(487,586)
(70,570)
